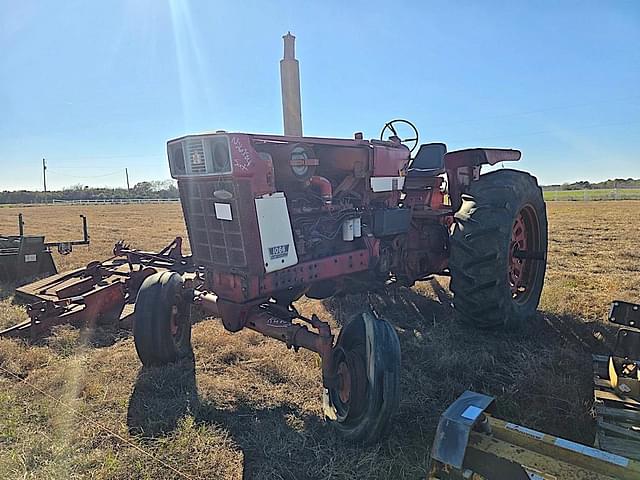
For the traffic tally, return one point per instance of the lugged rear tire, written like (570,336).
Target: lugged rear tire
(162,323)
(502,219)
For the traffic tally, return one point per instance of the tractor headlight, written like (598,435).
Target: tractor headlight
(176,159)
(219,150)
(201,155)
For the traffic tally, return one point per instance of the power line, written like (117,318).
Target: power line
(110,156)
(542,132)
(84,165)
(111,174)
(540,110)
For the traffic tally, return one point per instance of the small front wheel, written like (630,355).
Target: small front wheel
(366,359)
(162,323)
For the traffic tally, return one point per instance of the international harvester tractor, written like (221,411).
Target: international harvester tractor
(274,218)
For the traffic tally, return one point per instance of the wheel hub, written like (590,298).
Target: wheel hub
(525,241)
(518,244)
(173,321)
(344,383)
(351,388)
(177,317)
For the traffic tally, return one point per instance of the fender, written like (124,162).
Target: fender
(475,157)
(463,167)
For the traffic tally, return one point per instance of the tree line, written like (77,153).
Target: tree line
(607,184)
(168,189)
(152,189)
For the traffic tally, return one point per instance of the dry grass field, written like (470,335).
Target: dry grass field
(248,408)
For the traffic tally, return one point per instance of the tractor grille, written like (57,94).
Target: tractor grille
(216,242)
(195,152)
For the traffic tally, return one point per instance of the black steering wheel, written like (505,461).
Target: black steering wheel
(411,141)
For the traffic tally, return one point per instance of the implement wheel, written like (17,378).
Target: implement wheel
(162,323)
(499,250)
(367,364)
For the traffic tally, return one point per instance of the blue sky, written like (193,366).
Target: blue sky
(99,86)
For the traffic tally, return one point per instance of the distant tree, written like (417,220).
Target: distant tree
(143,190)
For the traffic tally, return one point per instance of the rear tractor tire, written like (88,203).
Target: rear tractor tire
(162,323)
(367,363)
(499,250)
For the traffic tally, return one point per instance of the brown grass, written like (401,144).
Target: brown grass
(248,408)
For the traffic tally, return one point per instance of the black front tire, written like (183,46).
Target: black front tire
(369,350)
(492,287)
(162,323)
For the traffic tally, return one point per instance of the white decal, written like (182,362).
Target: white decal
(535,475)
(471,412)
(276,236)
(244,161)
(278,322)
(525,430)
(223,211)
(593,452)
(386,184)
(30,258)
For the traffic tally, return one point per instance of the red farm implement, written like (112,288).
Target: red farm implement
(101,292)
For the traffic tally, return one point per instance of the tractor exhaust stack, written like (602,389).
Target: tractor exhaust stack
(290,82)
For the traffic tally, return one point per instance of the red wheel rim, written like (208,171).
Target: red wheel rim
(350,393)
(344,378)
(178,318)
(524,247)
(173,320)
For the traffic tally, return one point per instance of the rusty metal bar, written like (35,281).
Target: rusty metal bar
(298,336)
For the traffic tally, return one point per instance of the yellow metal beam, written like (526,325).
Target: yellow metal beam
(597,461)
(470,444)
(484,451)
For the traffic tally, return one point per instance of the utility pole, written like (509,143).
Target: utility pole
(44,178)
(126,172)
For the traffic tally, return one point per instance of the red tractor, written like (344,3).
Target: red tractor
(274,218)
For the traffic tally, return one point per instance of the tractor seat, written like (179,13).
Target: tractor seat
(429,161)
